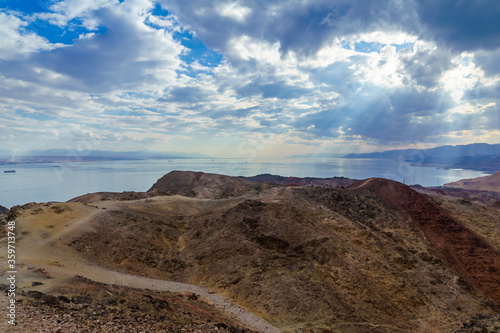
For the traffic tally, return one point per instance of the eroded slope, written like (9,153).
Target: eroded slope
(302,257)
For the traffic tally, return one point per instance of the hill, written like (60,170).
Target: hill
(204,185)
(3,210)
(488,183)
(375,256)
(296,181)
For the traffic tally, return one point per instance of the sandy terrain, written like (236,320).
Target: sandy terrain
(42,246)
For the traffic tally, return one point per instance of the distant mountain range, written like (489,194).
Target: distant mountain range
(477,156)
(318,155)
(442,152)
(65,155)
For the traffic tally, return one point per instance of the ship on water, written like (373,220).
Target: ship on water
(9,171)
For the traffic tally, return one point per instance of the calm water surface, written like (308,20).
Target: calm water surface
(42,182)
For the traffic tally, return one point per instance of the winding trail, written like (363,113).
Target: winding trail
(106,276)
(58,260)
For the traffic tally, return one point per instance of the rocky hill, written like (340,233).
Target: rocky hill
(297,181)
(3,210)
(204,185)
(488,183)
(376,256)
(457,245)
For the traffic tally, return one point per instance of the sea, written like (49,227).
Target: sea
(44,182)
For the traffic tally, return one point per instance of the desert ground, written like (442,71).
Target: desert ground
(210,253)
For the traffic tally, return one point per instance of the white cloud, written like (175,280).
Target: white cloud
(66,10)
(18,42)
(233,10)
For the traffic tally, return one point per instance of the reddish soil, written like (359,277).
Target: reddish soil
(458,246)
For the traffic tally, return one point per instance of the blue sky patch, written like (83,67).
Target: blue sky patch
(28,6)
(55,34)
(198,50)
(158,11)
(345,45)
(36,115)
(403,46)
(366,47)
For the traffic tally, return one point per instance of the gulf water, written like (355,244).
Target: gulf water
(44,182)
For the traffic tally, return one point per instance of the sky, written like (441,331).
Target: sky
(249,79)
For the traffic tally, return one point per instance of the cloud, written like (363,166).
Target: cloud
(276,89)
(233,10)
(461,25)
(295,74)
(488,61)
(189,95)
(16,40)
(426,63)
(384,115)
(302,27)
(128,56)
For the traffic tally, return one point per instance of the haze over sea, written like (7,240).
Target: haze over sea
(43,182)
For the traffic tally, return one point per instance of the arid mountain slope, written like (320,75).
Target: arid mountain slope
(204,185)
(3,210)
(458,246)
(114,196)
(374,257)
(311,257)
(296,181)
(488,183)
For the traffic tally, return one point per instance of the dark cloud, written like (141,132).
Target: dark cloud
(302,27)
(482,91)
(399,115)
(420,103)
(462,25)
(277,89)
(488,61)
(190,95)
(321,124)
(338,76)
(426,66)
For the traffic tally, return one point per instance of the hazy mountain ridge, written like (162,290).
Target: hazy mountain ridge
(375,256)
(72,155)
(478,156)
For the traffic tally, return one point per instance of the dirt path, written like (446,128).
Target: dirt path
(60,261)
(106,276)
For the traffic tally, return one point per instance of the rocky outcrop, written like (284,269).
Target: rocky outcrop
(300,181)
(3,210)
(204,185)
